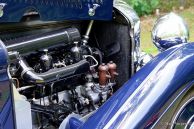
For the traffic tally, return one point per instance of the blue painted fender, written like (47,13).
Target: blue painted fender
(6,103)
(139,103)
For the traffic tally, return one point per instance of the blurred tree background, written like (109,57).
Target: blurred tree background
(146,7)
(150,10)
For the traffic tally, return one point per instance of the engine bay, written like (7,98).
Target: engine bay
(59,73)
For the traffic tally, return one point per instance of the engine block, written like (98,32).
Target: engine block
(60,74)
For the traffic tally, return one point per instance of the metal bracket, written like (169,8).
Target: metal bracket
(92,10)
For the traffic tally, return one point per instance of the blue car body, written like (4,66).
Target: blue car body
(56,9)
(140,99)
(141,102)
(6,101)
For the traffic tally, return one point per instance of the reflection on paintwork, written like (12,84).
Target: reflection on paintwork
(6,103)
(145,94)
(4,79)
(4,94)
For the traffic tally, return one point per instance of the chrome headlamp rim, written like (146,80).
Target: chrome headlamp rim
(169,30)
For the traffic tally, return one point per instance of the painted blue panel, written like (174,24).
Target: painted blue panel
(140,99)
(6,115)
(74,123)
(6,105)
(53,10)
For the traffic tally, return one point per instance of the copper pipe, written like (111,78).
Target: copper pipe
(103,74)
(112,70)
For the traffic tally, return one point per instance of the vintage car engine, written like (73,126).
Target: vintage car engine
(59,74)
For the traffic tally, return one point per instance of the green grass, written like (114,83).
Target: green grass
(146,27)
(148,22)
(188,15)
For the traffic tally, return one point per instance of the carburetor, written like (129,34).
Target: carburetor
(98,93)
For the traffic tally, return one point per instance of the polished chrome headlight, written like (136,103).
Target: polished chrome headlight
(169,30)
